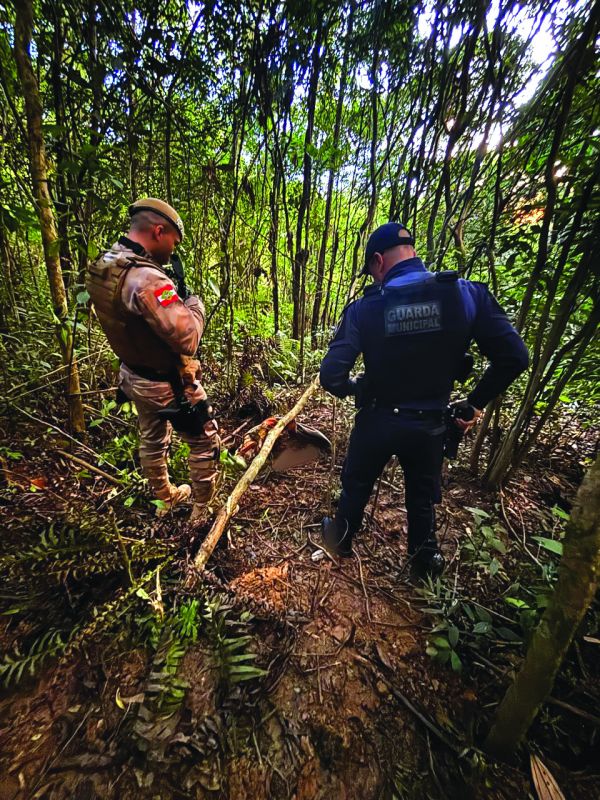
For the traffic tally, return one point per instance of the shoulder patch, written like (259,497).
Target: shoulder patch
(166,294)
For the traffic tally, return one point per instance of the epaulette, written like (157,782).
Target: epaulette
(447,276)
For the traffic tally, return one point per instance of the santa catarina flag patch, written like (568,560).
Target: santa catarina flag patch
(166,295)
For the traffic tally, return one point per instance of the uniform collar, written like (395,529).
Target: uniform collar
(404,268)
(123,245)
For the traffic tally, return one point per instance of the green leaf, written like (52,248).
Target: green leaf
(93,251)
(560,513)
(478,512)
(455,662)
(549,544)
(508,635)
(142,593)
(514,601)
(431,651)
(440,642)
(312,150)
(483,614)
(494,566)
(482,628)
(128,502)
(453,635)
(215,288)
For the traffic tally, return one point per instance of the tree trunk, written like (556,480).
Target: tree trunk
(500,464)
(330,180)
(575,590)
(273,239)
(44,207)
(302,223)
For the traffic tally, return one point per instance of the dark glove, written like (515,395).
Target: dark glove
(179,277)
(186,418)
(359,390)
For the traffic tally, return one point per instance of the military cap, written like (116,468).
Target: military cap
(384,238)
(158,207)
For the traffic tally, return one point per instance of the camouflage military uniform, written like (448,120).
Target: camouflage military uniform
(154,333)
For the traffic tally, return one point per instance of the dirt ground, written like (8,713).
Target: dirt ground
(352,707)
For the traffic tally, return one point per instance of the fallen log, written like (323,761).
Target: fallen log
(232,504)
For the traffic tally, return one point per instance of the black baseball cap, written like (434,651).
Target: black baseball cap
(384,238)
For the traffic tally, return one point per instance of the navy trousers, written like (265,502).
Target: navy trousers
(417,439)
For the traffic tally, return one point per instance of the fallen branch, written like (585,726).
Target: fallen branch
(232,504)
(91,467)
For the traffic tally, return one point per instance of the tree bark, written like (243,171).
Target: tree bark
(575,590)
(302,222)
(330,180)
(43,202)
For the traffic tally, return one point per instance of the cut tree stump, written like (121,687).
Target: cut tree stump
(232,504)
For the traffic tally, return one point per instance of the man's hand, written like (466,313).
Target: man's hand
(465,415)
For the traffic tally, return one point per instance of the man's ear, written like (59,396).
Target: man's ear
(157,231)
(376,265)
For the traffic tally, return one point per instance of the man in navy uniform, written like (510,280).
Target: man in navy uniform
(413,328)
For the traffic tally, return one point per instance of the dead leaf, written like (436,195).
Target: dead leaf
(340,633)
(591,640)
(383,656)
(545,784)
(39,483)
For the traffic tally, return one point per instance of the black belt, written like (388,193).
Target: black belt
(411,413)
(150,374)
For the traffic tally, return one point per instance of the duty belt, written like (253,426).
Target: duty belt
(150,374)
(410,413)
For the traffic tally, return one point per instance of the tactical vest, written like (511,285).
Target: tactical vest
(413,338)
(129,335)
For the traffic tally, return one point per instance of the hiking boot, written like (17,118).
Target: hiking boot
(179,495)
(199,514)
(335,542)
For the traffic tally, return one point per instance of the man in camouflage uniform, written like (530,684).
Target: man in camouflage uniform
(156,334)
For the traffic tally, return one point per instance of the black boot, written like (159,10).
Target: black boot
(337,537)
(427,562)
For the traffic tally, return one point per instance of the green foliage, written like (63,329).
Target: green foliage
(232,465)
(178,463)
(51,578)
(483,546)
(230,644)
(463,630)
(19,664)
(172,634)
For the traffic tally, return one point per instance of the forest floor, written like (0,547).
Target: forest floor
(350,704)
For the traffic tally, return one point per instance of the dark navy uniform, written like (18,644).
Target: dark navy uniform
(413,331)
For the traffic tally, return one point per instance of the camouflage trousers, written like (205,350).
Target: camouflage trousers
(155,438)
